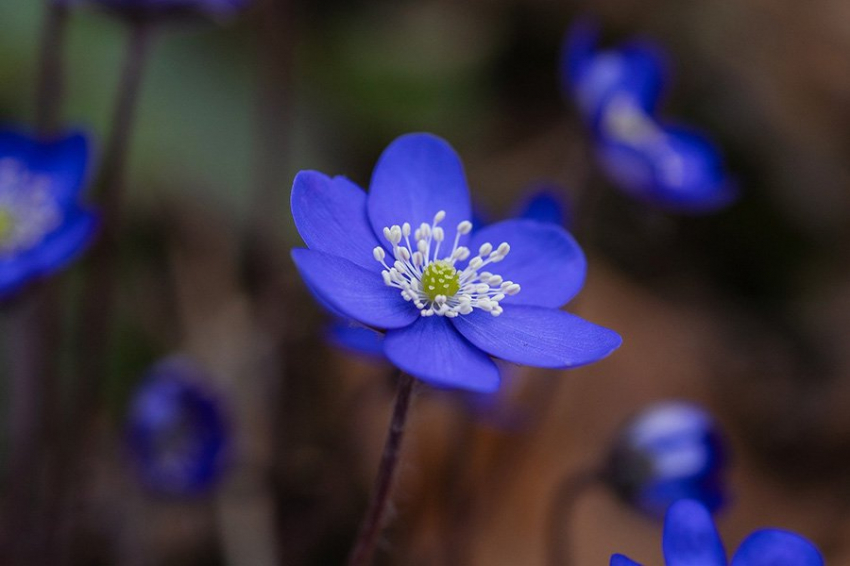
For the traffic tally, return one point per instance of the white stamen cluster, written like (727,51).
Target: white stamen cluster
(28,211)
(450,292)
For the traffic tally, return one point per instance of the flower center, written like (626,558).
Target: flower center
(434,284)
(28,211)
(440,278)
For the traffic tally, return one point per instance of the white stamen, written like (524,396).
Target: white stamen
(467,288)
(28,210)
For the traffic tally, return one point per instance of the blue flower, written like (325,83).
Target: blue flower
(43,227)
(176,429)
(448,300)
(143,9)
(691,539)
(617,93)
(670,451)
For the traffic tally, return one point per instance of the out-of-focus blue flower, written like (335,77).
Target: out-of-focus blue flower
(670,451)
(543,204)
(671,167)
(177,430)
(617,93)
(691,539)
(166,9)
(444,311)
(635,70)
(43,226)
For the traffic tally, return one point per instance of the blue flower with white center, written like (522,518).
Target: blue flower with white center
(671,450)
(635,70)
(402,259)
(691,539)
(43,227)
(176,430)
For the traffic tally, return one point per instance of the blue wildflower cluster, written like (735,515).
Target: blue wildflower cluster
(44,225)
(617,92)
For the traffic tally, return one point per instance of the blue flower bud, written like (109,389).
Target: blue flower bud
(671,450)
(176,429)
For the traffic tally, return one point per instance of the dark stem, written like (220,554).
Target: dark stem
(51,83)
(98,293)
(99,289)
(559,544)
(373,522)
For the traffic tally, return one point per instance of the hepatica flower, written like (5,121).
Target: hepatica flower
(402,260)
(43,227)
(617,93)
(176,430)
(671,450)
(691,539)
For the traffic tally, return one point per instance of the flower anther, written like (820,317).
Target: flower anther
(433,283)
(28,211)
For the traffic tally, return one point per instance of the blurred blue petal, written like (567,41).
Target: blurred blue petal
(544,203)
(690,537)
(774,547)
(176,429)
(356,339)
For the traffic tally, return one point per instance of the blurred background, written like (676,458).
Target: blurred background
(746,311)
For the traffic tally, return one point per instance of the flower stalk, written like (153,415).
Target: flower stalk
(560,551)
(373,522)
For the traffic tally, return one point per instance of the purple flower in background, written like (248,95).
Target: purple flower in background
(43,227)
(447,299)
(166,9)
(691,539)
(176,429)
(671,450)
(617,93)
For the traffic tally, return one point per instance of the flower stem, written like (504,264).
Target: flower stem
(560,549)
(372,524)
(98,293)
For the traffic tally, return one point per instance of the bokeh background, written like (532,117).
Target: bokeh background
(746,311)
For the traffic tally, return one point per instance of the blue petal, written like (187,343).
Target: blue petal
(636,70)
(538,336)
(14,273)
(544,259)
(417,176)
(64,160)
(669,167)
(357,339)
(773,547)
(690,537)
(353,291)
(433,351)
(620,560)
(65,244)
(330,215)
(544,204)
